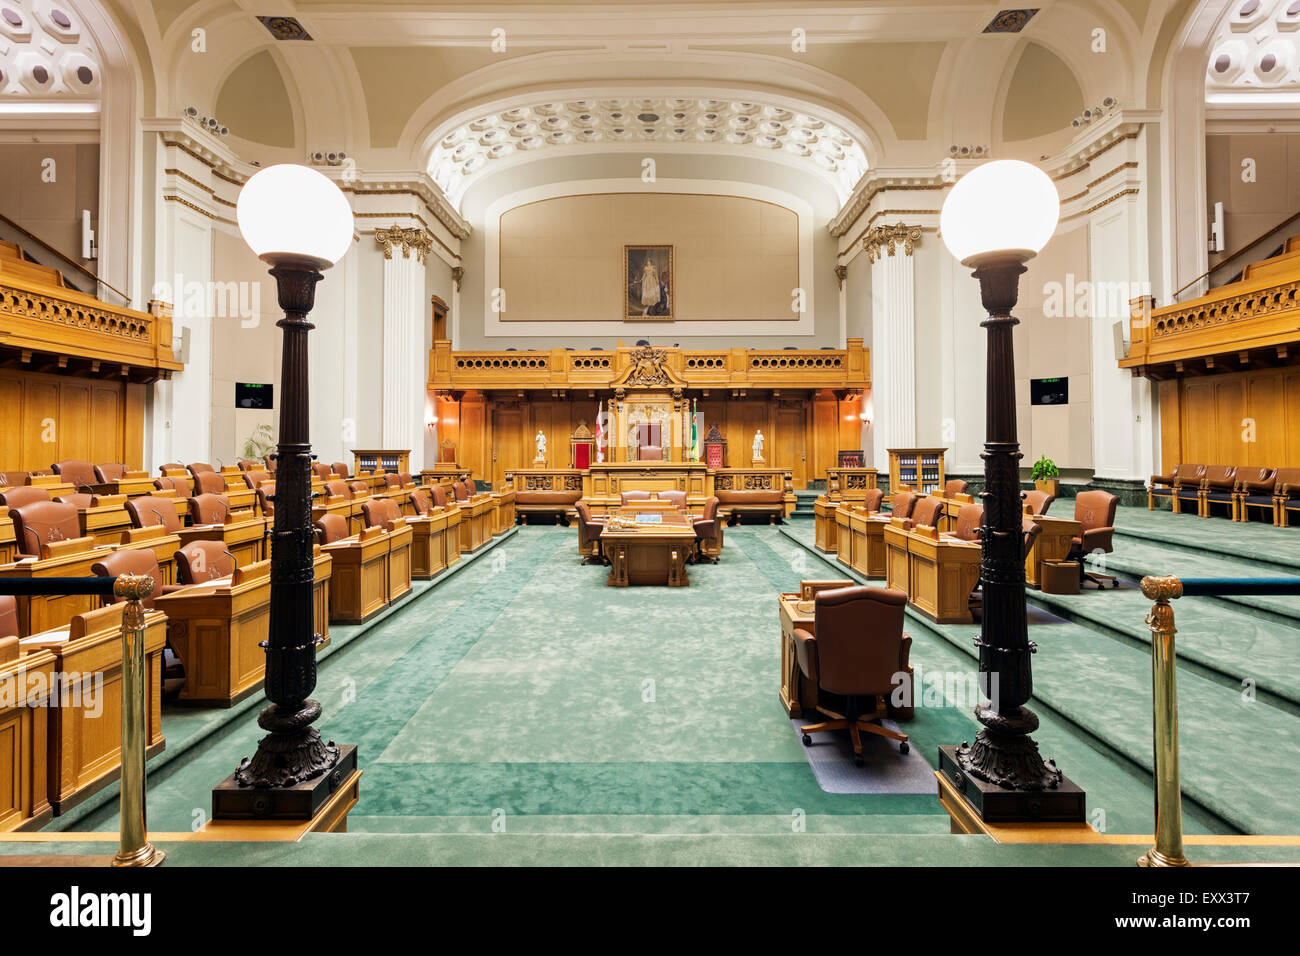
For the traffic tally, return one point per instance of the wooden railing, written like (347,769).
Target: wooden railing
(596,368)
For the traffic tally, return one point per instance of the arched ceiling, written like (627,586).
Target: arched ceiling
(1256,53)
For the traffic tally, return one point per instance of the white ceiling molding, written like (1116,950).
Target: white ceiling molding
(1255,56)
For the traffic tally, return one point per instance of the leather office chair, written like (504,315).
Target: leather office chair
(109,472)
(25,494)
(440,496)
(148,510)
(14,478)
(904,501)
(42,522)
(79,474)
(462,490)
(360,490)
(133,561)
(337,489)
(202,561)
(266,498)
(970,523)
(1254,489)
(381,512)
(650,453)
(859,650)
(708,531)
(406,478)
(954,486)
(323,472)
(331,528)
(251,464)
(871,503)
(269,461)
(392,481)
(81,500)
(209,510)
(420,502)
(9,621)
(927,511)
(171,466)
(199,468)
(184,487)
(625,496)
(339,469)
(209,483)
(1181,484)
(1217,488)
(678,498)
(589,529)
(1095,511)
(254,477)
(1038,501)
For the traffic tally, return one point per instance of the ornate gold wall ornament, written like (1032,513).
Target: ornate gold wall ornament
(884,238)
(407,238)
(841,273)
(457,275)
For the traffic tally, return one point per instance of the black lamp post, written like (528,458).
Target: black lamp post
(298,221)
(995,219)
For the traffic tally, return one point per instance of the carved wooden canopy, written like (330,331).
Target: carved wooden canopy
(649,368)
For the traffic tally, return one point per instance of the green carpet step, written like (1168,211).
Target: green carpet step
(1274,550)
(1235,750)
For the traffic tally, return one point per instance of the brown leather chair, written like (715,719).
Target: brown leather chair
(339,469)
(589,529)
(200,467)
(171,466)
(251,464)
(927,511)
(184,487)
(41,522)
(678,498)
(392,481)
(874,498)
(14,478)
(1038,501)
(440,498)
(9,621)
(331,528)
(625,496)
(708,532)
(1182,485)
(903,503)
(859,652)
(954,486)
(420,502)
(970,523)
(149,510)
(406,478)
(254,477)
(650,453)
(1286,495)
(360,490)
(380,512)
(337,489)
(202,561)
(109,472)
(133,561)
(269,462)
(79,474)
(81,500)
(266,498)
(209,510)
(1218,486)
(1095,511)
(1029,529)
(209,483)
(21,495)
(1254,489)
(321,471)
(464,491)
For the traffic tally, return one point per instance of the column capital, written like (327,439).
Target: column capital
(408,239)
(882,239)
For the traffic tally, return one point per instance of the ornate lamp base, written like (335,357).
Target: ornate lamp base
(300,800)
(994,803)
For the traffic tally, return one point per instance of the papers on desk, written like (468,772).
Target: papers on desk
(649,519)
(48,637)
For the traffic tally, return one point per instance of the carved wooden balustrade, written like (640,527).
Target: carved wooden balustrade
(850,484)
(559,479)
(848,368)
(1255,320)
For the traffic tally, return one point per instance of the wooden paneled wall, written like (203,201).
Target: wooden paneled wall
(804,431)
(51,418)
(1235,418)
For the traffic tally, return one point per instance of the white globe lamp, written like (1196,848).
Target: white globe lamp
(293,215)
(1002,209)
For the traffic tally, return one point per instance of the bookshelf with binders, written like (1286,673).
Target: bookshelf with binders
(918,469)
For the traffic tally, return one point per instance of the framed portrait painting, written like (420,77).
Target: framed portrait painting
(648,291)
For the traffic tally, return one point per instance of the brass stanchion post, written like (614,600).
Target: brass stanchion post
(135,848)
(1168,849)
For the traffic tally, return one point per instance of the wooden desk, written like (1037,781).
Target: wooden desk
(1050,544)
(477,517)
(843,536)
(359,586)
(8,540)
(824,510)
(349,509)
(648,553)
(428,543)
(42,612)
(107,521)
(244,537)
(85,733)
(24,741)
(451,540)
(163,545)
(130,485)
(938,575)
(505,510)
(868,531)
(399,561)
(216,629)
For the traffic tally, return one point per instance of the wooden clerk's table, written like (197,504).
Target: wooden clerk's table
(371,570)
(860,539)
(1045,565)
(648,553)
(936,571)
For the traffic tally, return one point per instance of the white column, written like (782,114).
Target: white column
(404,355)
(893,337)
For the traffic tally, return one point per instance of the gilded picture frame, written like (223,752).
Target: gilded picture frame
(649,283)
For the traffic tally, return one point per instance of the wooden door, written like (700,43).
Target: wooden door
(790,443)
(507,448)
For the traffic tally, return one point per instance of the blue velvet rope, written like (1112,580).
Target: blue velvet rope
(57,586)
(1225,586)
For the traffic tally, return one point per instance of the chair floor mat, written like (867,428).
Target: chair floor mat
(883,770)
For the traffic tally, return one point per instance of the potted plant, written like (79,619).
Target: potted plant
(1046,476)
(259,444)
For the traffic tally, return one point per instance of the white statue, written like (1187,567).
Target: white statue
(541,444)
(758,445)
